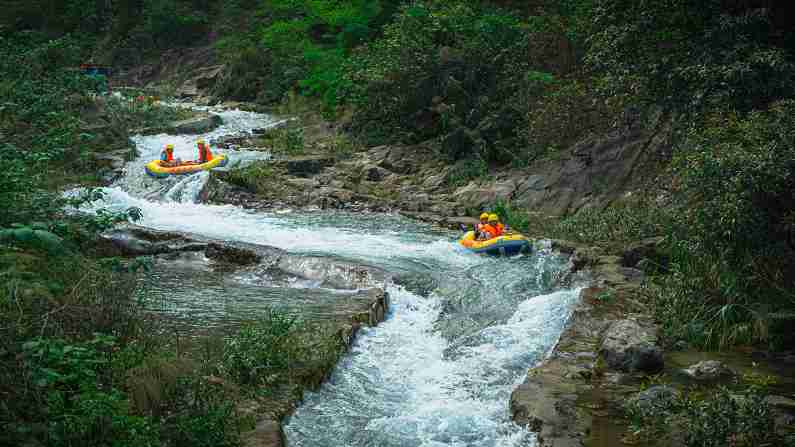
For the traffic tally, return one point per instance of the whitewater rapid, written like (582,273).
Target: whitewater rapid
(439,371)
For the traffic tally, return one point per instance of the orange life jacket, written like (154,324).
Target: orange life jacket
(500,229)
(488,228)
(167,156)
(204,153)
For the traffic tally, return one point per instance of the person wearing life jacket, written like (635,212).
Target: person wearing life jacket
(494,221)
(484,220)
(487,231)
(204,152)
(167,156)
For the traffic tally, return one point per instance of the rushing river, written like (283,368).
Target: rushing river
(461,332)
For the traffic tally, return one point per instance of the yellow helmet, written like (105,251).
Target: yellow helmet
(200,142)
(169,146)
(494,218)
(484,216)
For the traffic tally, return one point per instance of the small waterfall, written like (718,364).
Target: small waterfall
(188,188)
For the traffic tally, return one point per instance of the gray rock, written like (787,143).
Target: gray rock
(375,173)
(203,78)
(628,346)
(632,274)
(781,402)
(308,165)
(231,254)
(648,248)
(708,370)
(483,196)
(194,126)
(401,159)
(655,397)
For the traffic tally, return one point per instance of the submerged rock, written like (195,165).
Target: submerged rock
(628,346)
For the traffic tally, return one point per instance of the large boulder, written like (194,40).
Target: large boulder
(198,125)
(629,346)
(135,241)
(708,371)
(375,173)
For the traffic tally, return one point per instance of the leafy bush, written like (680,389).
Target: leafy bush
(465,171)
(261,350)
(690,56)
(204,416)
(562,112)
(299,45)
(617,224)
(73,385)
(739,418)
(733,240)
(439,67)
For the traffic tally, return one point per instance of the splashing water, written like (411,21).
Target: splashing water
(460,335)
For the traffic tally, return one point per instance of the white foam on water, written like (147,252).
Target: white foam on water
(401,385)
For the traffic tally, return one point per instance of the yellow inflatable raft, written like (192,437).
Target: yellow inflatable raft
(154,168)
(507,244)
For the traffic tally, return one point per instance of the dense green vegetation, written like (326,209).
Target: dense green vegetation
(491,84)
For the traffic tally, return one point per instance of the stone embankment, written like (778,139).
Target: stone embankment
(609,348)
(418,179)
(366,305)
(561,399)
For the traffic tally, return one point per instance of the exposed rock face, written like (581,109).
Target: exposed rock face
(547,406)
(481,196)
(200,80)
(708,371)
(134,241)
(597,172)
(629,346)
